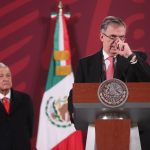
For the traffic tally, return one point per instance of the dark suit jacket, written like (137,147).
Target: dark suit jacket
(91,70)
(16,127)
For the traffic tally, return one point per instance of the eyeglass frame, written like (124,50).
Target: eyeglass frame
(122,38)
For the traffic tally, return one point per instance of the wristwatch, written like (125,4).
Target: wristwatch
(132,58)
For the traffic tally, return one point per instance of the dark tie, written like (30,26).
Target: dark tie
(6,104)
(110,69)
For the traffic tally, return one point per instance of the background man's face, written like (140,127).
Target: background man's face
(112,34)
(5,79)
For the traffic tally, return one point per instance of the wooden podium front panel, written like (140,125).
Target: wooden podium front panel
(87,92)
(112,134)
(87,106)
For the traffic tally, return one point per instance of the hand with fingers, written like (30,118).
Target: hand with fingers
(119,47)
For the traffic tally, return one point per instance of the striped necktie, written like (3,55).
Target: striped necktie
(6,104)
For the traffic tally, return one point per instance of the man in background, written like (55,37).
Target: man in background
(16,115)
(114,60)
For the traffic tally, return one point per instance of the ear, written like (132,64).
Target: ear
(101,37)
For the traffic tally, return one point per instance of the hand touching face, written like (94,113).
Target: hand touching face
(113,40)
(119,47)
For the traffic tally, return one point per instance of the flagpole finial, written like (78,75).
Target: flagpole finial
(60,5)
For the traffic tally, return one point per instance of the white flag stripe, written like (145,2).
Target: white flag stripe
(61,33)
(64,90)
(52,134)
(61,38)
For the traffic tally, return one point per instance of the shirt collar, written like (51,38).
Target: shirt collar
(105,55)
(7,95)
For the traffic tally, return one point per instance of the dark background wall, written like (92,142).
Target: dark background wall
(26,35)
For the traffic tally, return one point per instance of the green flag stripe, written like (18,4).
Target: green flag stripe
(52,79)
(56,35)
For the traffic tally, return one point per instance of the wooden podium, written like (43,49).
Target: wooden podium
(111,134)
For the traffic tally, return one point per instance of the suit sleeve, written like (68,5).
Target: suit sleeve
(78,79)
(30,117)
(139,70)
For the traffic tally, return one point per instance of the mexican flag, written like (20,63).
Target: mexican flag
(54,122)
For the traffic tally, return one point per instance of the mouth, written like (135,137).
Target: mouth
(112,48)
(113,51)
(6,84)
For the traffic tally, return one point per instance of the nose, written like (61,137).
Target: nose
(5,78)
(114,42)
(117,38)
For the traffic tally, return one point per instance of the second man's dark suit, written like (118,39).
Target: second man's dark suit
(91,69)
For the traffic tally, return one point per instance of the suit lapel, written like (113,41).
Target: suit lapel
(102,70)
(120,68)
(99,75)
(15,101)
(2,108)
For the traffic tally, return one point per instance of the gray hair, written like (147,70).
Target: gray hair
(111,20)
(2,65)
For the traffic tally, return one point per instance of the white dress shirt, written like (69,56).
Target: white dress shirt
(7,95)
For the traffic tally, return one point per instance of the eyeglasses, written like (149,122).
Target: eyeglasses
(114,37)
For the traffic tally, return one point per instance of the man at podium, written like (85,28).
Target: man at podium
(115,60)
